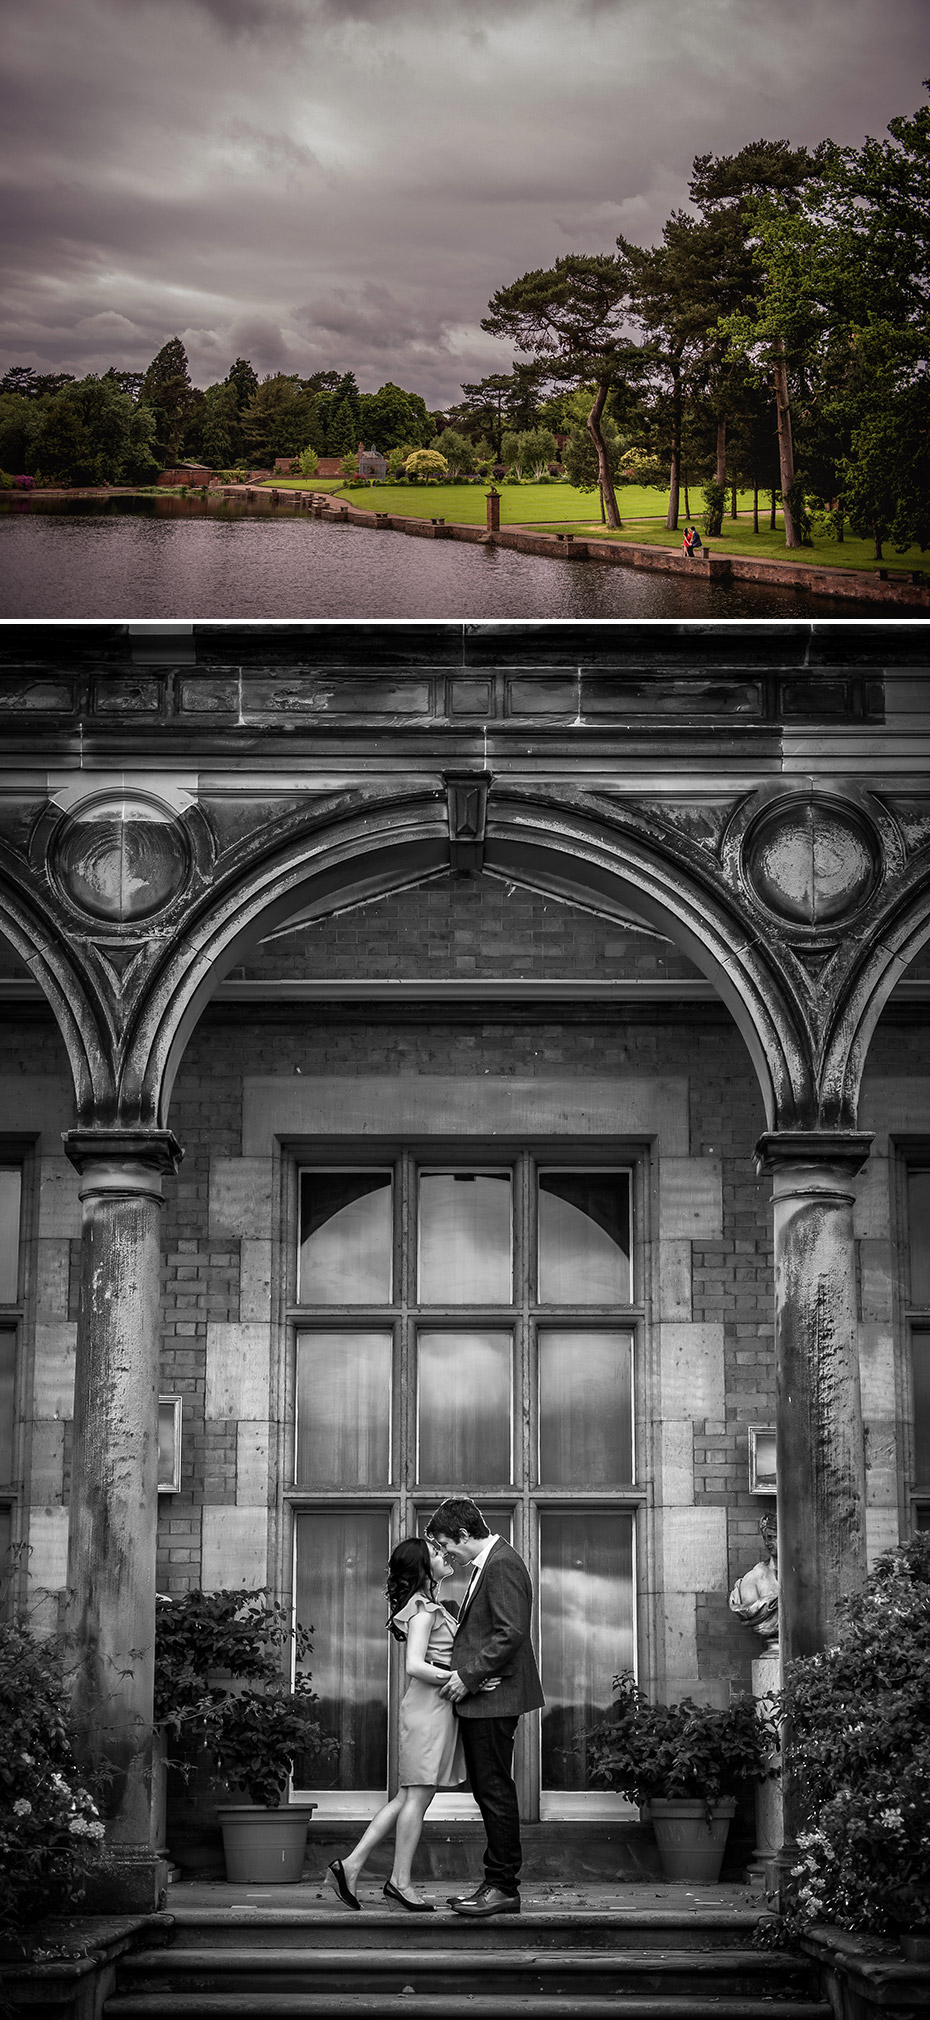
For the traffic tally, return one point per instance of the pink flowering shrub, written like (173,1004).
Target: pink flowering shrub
(50,1832)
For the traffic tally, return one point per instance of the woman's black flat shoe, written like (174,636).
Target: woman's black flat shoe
(341,1885)
(413,1907)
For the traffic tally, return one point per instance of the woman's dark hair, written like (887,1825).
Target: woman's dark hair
(408,1566)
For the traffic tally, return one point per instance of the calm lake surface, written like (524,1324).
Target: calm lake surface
(180,558)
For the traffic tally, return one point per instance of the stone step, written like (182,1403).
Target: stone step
(495,2006)
(381,1928)
(516,1973)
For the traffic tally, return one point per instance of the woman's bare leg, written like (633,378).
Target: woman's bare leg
(407,1836)
(380,1827)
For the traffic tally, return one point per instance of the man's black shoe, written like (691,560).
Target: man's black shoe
(478,1895)
(488,1901)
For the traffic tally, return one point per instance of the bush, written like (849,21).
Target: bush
(679,1750)
(860,1723)
(50,1832)
(207,1645)
(715,498)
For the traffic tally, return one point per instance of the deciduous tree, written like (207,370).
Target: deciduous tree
(572,318)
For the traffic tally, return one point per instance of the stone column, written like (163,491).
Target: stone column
(820,1459)
(114,1490)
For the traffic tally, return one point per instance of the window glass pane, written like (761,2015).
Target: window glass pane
(343,1410)
(10,1192)
(7,1375)
(585,1408)
(584,1237)
(464,1409)
(346,1233)
(920,1361)
(586,1629)
(918,1215)
(465,1242)
(339,1592)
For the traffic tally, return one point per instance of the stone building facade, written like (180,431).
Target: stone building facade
(441,1056)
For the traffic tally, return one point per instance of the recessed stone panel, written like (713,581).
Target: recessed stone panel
(691,1372)
(240,1197)
(48,1549)
(690,1198)
(694,1550)
(53,1370)
(237,1371)
(235,1548)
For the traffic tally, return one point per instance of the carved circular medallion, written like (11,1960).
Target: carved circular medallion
(121,858)
(810,861)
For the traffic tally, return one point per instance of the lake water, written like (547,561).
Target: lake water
(179,558)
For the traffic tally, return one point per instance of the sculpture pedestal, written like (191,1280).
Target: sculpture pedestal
(766,1678)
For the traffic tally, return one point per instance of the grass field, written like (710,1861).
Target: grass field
(738,538)
(560,509)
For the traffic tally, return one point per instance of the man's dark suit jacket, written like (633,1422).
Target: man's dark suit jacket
(493,1639)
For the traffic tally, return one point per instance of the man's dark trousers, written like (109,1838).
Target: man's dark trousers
(488,1744)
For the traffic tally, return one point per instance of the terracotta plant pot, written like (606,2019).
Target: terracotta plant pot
(265,1847)
(690,1848)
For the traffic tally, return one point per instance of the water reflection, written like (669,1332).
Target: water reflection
(179,557)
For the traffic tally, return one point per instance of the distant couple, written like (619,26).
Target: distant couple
(469,1678)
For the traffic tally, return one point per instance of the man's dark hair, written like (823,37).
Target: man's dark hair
(457,1518)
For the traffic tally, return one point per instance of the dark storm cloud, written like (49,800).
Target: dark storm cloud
(345,182)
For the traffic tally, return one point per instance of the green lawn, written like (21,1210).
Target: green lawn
(738,538)
(300,484)
(560,509)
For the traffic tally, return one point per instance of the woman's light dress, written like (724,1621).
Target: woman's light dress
(430,1740)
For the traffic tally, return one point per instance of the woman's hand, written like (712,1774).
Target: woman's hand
(491,1683)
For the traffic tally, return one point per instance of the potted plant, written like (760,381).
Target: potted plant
(860,1725)
(227,1708)
(684,1764)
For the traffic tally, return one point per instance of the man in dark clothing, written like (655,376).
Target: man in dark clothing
(492,1639)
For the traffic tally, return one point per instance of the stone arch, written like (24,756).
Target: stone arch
(896,937)
(560,848)
(88,1033)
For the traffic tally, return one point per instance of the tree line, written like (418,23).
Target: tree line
(124,427)
(775,340)
(779,335)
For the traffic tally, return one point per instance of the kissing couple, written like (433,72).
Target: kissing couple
(470,1677)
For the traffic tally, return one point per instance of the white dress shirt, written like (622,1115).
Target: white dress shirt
(478,1564)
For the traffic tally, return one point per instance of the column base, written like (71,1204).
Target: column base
(132,1884)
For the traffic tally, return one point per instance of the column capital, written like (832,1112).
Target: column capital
(123,1160)
(806,1150)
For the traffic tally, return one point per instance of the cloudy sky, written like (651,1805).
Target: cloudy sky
(344,183)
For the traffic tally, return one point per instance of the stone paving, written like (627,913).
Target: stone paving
(312,1895)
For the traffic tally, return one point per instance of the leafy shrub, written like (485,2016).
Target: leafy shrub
(715,498)
(207,1645)
(860,1723)
(679,1750)
(50,1832)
